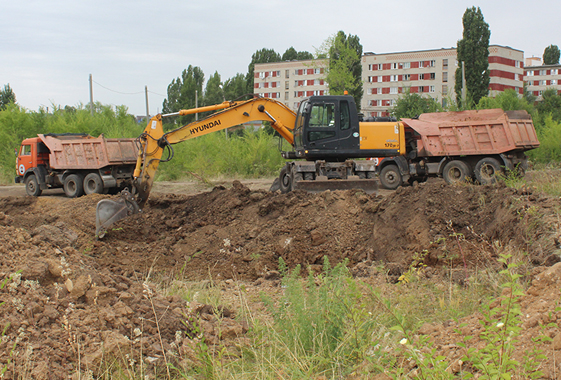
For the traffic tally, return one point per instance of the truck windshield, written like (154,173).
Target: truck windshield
(25,150)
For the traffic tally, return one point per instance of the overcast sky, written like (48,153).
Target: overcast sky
(48,49)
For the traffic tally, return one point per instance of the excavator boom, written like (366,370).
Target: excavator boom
(153,142)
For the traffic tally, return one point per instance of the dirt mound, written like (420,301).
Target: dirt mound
(78,300)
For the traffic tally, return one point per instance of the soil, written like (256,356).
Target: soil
(73,303)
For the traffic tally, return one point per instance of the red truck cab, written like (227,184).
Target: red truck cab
(32,154)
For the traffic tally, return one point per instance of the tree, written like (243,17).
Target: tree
(291,54)
(551,55)
(410,105)
(473,51)
(550,105)
(345,70)
(507,100)
(235,87)
(7,96)
(182,93)
(260,56)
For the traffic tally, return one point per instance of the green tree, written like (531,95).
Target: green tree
(260,56)
(235,87)
(410,105)
(473,51)
(345,70)
(550,105)
(507,100)
(291,54)
(551,55)
(7,96)
(182,93)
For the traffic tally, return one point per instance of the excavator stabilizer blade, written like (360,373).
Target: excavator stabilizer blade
(109,212)
(369,186)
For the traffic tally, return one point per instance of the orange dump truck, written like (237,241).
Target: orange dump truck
(460,146)
(78,163)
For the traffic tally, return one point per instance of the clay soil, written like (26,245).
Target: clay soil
(74,305)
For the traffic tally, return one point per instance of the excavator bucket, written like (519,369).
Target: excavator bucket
(109,211)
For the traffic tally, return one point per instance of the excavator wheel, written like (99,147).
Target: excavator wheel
(285,180)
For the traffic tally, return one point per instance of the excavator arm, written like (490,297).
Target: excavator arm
(153,142)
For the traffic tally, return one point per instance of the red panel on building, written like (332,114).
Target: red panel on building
(414,76)
(273,84)
(256,85)
(415,65)
(385,90)
(386,78)
(386,66)
(310,82)
(274,73)
(502,61)
(309,93)
(310,71)
(502,74)
(256,75)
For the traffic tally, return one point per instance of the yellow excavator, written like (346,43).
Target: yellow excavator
(326,135)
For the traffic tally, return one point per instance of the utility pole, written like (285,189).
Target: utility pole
(147,112)
(91,94)
(196,103)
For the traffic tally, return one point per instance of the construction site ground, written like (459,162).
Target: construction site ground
(72,304)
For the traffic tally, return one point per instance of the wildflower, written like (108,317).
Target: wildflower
(403,341)
(500,324)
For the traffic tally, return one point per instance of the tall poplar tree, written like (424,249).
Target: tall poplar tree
(260,56)
(473,51)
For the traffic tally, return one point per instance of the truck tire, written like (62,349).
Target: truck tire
(93,184)
(74,186)
(32,186)
(390,177)
(486,170)
(285,180)
(456,172)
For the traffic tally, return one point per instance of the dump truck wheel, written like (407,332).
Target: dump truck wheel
(93,184)
(74,186)
(285,180)
(455,172)
(486,170)
(32,186)
(390,177)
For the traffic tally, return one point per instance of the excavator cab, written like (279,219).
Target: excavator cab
(327,128)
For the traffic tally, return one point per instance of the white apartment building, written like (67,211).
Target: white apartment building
(290,81)
(386,76)
(540,78)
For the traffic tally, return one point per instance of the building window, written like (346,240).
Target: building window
(421,64)
(431,89)
(554,71)
(530,73)
(406,76)
(542,72)
(432,75)
(517,64)
(394,66)
(379,78)
(432,63)
(554,82)
(445,77)
(393,78)
(407,65)
(393,90)
(543,83)
(421,88)
(444,63)
(286,95)
(287,73)
(444,89)
(540,93)
(286,85)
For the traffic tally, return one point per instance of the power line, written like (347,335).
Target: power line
(155,93)
(119,92)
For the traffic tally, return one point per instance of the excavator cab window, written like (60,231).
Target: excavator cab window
(345,115)
(322,117)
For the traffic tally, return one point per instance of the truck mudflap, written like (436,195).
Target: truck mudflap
(369,186)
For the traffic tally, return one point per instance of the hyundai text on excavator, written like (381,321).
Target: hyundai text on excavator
(325,135)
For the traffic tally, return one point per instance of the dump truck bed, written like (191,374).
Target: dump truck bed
(87,152)
(482,132)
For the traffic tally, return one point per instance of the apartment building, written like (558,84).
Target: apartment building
(542,77)
(290,81)
(430,73)
(386,76)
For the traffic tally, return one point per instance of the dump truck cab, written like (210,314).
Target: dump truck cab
(33,153)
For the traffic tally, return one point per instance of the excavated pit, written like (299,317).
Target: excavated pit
(79,300)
